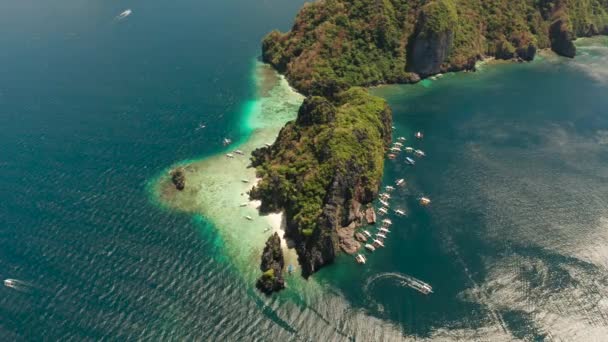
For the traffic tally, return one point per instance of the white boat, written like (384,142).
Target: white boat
(229,155)
(425,201)
(420,153)
(244,181)
(401,138)
(400,212)
(400,182)
(419,135)
(410,161)
(395,149)
(384,203)
(124,14)
(383,211)
(227,141)
(380,235)
(384,230)
(12,283)
(385,196)
(360,259)
(398,144)
(370,247)
(367,233)
(243,204)
(378,243)
(388,222)
(239,152)
(249,218)
(418,285)
(409,149)
(389,188)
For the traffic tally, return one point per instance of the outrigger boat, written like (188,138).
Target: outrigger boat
(384,230)
(400,182)
(398,144)
(239,152)
(360,259)
(409,149)
(229,155)
(395,149)
(410,161)
(425,201)
(380,235)
(401,138)
(249,218)
(384,203)
(389,188)
(419,153)
(387,222)
(370,247)
(368,234)
(227,141)
(384,196)
(244,181)
(378,243)
(383,211)
(400,212)
(419,135)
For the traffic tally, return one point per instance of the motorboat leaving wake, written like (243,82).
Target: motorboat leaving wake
(401,279)
(17,285)
(124,14)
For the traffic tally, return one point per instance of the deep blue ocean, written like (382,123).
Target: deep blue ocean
(93,107)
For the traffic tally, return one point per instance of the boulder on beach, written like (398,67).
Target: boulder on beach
(370,216)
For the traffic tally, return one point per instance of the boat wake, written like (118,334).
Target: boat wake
(400,279)
(124,14)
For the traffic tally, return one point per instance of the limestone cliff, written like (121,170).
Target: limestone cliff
(272,265)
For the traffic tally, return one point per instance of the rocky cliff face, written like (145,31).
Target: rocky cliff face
(322,168)
(272,266)
(178,178)
(562,39)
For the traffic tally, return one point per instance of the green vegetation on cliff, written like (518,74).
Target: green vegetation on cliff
(346,136)
(366,42)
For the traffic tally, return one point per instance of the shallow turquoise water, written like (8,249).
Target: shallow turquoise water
(93,109)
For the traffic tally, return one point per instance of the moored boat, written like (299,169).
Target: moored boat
(360,259)
(425,201)
(409,149)
(370,247)
(410,161)
(389,188)
(419,153)
(387,222)
(400,212)
(419,135)
(400,182)
(229,155)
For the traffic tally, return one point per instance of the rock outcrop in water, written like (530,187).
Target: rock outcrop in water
(178,178)
(329,162)
(272,265)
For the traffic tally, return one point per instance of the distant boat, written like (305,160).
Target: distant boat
(238,152)
(378,243)
(409,149)
(249,218)
(398,144)
(392,156)
(385,196)
(384,230)
(380,235)
(425,201)
(244,181)
(388,222)
(420,153)
(419,135)
(400,212)
(395,149)
(400,182)
(383,211)
(410,161)
(227,141)
(243,204)
(367,233)
(360,259)
(370,247)
(229,155)
(389,188)
(401,139)
(384,203)
(124,14)
(12,283)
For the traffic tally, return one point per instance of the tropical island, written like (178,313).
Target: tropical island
(326,166)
